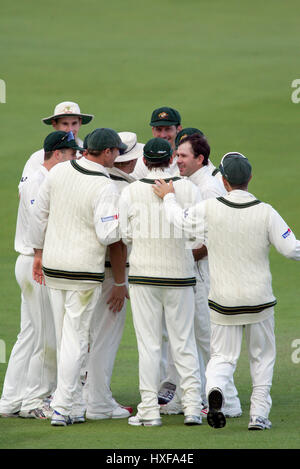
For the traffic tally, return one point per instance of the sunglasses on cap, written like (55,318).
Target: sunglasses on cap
(66,138)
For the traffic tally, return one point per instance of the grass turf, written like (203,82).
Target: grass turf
(228,68)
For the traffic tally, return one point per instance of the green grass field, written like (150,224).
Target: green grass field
(228,68)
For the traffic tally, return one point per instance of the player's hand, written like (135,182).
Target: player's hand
(37,269)
(162,188)
(117,298)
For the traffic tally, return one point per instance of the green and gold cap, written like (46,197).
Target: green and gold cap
(165,116)
(157,150)
(59,140)
(185,133)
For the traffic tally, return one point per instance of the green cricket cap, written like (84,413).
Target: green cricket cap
(185,133)
(103,138)
(59,140)
(85,141)
(165,116)
(235,168)
(157,150)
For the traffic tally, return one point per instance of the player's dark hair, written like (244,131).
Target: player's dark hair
(96,152)
(199,146)
(150,165)
(47,155)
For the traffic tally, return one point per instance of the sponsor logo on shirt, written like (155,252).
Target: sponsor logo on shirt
(32,201)
(287,233)
(110,218)
(186,212)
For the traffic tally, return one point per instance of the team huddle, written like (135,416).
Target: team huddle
(109,220)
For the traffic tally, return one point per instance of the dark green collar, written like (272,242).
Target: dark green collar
(117,178)
(152,181)
(86,171)
(235,205)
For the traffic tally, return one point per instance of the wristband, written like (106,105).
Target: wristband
(120,284)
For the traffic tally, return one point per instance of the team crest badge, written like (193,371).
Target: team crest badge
(67,110)
(163,115)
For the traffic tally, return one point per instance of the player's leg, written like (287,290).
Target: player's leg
(146,306)
(41,378)
(225,350)
(105,336)
(260,339)
(79,307)
(179,312)
(16,373)
(202,322)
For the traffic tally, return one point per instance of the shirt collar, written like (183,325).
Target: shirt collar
(199,174)
(92,165)
(159,173)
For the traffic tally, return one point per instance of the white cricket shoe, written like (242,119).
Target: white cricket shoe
(166,393)
(117,413)
(192,420)
(136,421)
(59,420)
(259,423)
(77,418)
(40,413)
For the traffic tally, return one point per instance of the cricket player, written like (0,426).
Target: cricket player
(190,131)
(193,162)
(165,123)
(161,279)
(241,299)
(67,117)
(74,220)
(31,371)
(107,325)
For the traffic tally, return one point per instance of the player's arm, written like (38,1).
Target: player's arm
(38,216)
(189,220)
(37,268)
(124,217)
(118,257)
(106,215)
(282,237)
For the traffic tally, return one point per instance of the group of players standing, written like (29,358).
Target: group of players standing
(115,211)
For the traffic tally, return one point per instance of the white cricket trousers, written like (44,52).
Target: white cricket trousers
(226,344)
(31,370)
(148,305)
(105,336)
(202,333)
(73,311)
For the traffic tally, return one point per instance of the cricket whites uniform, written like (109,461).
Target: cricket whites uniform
(31,371)
(210,187)
(161,279)
(105,337)
(140,172)
(75,218)
(240,293)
